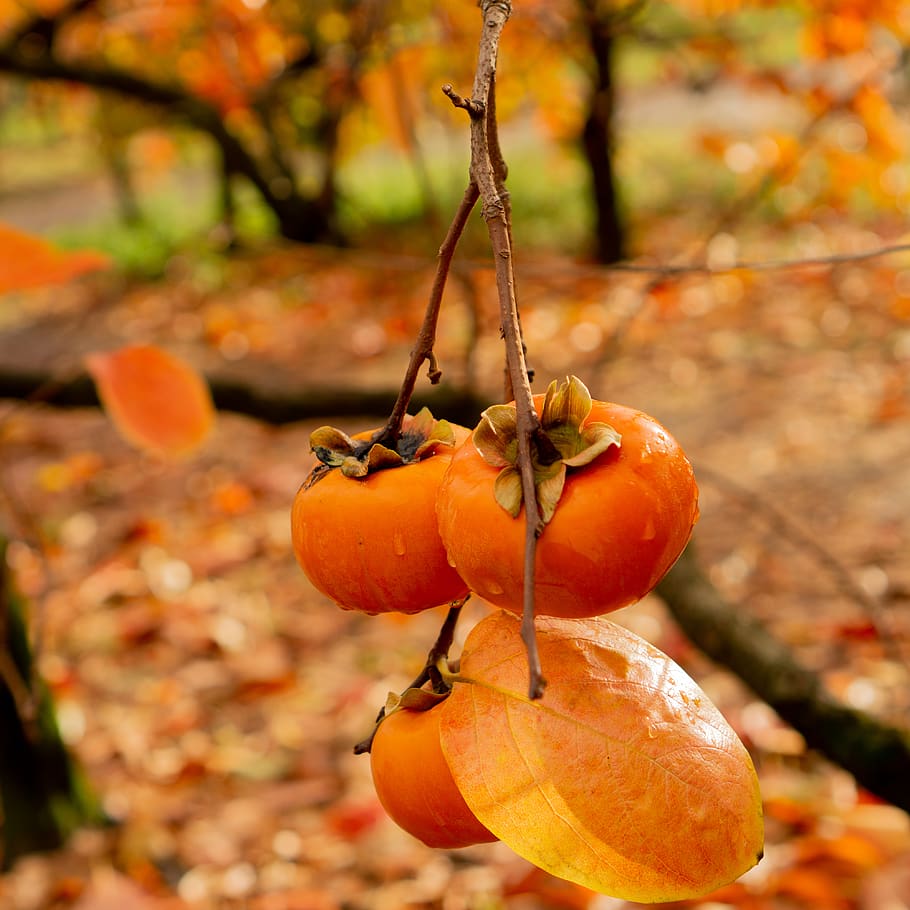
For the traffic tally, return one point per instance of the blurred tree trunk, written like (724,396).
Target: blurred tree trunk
(42,795)
(876,753)
(30,52)
(597,135)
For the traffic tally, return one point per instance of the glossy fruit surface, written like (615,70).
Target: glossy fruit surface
(371,543)
(620,524)
(414,784)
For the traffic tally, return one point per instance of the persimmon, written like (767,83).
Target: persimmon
(414,783)
(363,525)
(616,490)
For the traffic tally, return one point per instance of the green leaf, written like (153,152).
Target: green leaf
(563,441)
(440,434)
(507,490)
(496,436)
(596,439)
(567,403)
(549,491)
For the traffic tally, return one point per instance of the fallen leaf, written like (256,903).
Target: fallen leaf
(155,400)
(30,262)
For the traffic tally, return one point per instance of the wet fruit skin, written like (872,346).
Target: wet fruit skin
(414,783)
(372,544)
(620,525)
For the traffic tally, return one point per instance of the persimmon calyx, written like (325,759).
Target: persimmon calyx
(413,699)
(421,435)
(564,441)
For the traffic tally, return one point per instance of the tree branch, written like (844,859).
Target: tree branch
(488,172)
(876,754)
(259,401)
(299,218)
(426,338)
(44,27)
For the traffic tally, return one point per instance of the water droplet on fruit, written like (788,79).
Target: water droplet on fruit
(653,731)
(450,561)
(494,588)
(398,544)
(650,531)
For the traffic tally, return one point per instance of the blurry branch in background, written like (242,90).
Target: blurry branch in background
(265,403)
(874,752)
(43,29)
(43,796)
(758,265)
(29,52)
(786,529)
(293,404)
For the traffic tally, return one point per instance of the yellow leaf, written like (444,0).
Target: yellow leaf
(155,400)
(624,778)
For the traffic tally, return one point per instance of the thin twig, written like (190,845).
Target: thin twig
(443,644)
(487,172)
(430,671)
(426,337)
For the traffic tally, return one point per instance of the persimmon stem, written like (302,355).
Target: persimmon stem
(488,171)
(426,337)
(430,672)
(443,644)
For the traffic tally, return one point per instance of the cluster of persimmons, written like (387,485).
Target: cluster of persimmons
(623,776)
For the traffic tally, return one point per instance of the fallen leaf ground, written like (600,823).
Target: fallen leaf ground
(213,697)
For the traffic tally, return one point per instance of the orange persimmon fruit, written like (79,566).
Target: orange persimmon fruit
(618,521)
(414,783)
(369,540)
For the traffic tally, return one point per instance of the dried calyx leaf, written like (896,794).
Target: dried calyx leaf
(421,435)
(414,699)
(564,441)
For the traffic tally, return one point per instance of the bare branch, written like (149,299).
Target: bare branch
(875,753)
(488,172)
(426,339)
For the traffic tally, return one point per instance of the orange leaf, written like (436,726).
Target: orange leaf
(155,400)
(29,262)
(624,778)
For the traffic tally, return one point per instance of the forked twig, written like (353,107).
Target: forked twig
(426,337)
(488,174)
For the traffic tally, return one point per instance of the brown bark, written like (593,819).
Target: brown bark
(874,752)
(597,138)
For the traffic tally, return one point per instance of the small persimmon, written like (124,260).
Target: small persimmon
(363,525)
(616,491)
(414,783)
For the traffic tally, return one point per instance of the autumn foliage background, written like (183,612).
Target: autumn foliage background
(261,188)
